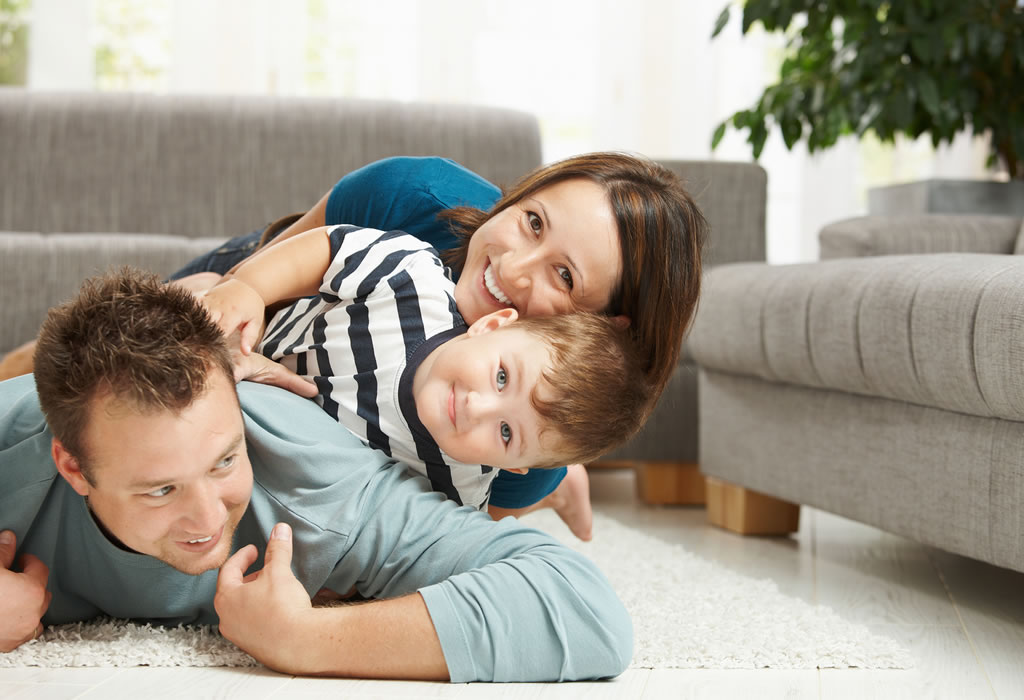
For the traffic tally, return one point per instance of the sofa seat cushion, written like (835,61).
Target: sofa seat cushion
(943,331)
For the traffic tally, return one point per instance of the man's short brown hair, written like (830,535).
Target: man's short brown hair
(127,335)
(595,392)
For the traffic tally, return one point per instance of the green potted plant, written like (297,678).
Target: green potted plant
(911,67)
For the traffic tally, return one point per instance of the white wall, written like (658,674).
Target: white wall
(637,75)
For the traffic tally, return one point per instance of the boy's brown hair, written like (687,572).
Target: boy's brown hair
(596,395)
(128,335)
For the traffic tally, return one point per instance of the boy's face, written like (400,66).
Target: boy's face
(173,486)
(473,395)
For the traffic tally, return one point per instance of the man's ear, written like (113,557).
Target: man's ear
(493,321)
(69,468)
(519,470)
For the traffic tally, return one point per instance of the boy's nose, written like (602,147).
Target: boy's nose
(480,405)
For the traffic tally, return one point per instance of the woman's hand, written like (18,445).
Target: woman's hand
(234,305)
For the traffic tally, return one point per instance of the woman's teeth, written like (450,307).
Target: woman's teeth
(201,540)
(494,289)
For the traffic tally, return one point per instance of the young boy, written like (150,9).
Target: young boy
(375,326)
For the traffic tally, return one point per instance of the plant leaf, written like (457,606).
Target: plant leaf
(723,19)
(719,133)
(929,93)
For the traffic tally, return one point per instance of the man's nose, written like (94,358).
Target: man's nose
(206,510)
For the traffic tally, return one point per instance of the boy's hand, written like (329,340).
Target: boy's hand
(234,305)
(257,368)
(23,596)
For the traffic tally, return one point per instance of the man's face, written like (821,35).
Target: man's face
(473,395)
(171,486)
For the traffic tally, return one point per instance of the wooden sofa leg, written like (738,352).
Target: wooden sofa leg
(747,512)
(663,483)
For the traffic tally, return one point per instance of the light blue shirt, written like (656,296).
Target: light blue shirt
(509,603)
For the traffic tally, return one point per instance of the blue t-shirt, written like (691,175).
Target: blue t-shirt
(407,194)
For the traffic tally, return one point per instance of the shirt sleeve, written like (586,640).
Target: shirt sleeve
(509,603)
(407,194)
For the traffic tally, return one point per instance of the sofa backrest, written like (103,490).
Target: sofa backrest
(733,198)
(220,166)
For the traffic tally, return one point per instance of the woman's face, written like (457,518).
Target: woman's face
(554,252)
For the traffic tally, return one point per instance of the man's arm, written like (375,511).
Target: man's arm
(384,639)
(495,601)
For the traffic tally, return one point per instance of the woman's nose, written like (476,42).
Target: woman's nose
(519,267)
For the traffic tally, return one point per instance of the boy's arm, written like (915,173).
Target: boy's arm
(292,269)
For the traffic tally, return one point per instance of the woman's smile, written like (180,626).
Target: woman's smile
(493,287)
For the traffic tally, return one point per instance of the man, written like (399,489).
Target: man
(145,477)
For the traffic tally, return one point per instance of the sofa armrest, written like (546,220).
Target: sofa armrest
(943,331)
(906,235)
(40,270)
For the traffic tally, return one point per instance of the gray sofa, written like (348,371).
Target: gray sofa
(884,383)
(91,180)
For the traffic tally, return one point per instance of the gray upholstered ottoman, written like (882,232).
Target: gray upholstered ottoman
(889,390)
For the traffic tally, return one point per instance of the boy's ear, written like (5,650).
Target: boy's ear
(493,321)
(69,468)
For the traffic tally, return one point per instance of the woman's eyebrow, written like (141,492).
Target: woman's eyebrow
(577,275)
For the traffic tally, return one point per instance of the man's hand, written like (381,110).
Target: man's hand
(234,305)
(268,613)
(258,368)
(23,596)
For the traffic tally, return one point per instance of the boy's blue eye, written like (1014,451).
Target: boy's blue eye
(160,492)
(566,276)
(506,433)
(502,378)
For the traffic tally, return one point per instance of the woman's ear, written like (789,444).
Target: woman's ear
(621,322)
(493,321)
(69,468)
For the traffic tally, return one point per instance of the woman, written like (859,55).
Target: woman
(603,232)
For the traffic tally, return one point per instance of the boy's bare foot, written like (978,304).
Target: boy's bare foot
(571,500)
(18,361)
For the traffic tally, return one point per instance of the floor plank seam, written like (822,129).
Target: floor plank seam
(963,624)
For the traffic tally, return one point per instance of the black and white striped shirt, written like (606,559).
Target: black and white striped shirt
(385,303)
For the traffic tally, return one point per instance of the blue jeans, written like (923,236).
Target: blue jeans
(223,257)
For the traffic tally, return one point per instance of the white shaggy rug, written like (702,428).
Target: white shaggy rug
(687,613)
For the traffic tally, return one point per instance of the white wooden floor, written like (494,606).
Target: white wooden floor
(962,620)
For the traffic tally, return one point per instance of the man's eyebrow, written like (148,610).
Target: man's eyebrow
(151,484)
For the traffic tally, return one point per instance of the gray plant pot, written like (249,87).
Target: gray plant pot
(948,197)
